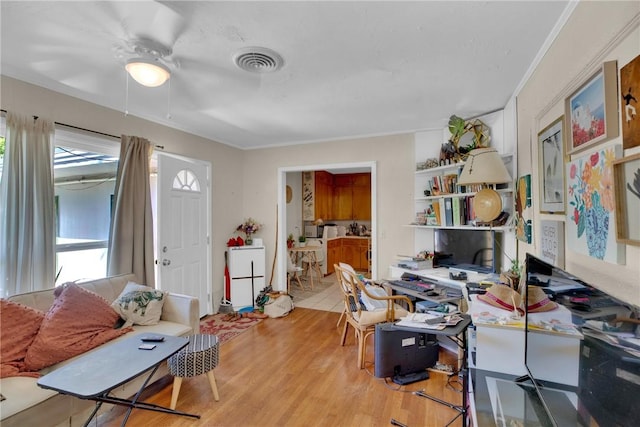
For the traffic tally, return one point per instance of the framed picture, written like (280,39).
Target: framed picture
(592,110)
(591,207)
(523,211)
(552,242)
(626,172)
(551,166)
(629,106)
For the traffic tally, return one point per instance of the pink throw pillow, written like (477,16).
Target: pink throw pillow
(78,321)
(19,326)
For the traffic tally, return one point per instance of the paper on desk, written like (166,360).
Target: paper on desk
(419,320)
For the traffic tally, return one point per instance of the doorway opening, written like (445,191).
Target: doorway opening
(284,225)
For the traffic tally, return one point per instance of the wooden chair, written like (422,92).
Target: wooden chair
(311,261)
(355,312)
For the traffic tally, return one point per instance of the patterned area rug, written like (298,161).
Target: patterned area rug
(228,325)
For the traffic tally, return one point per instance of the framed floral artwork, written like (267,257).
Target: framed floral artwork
(629,106)
(591,206)
(523,205)
(627,190)
(592,110)
(551,167)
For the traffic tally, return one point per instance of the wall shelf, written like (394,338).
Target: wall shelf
(439,196)
(506,157)
(443,180)
(461,227)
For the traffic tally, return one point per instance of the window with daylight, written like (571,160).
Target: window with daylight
(84,170)
(187,181)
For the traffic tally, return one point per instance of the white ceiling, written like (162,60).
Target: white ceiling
(351,69)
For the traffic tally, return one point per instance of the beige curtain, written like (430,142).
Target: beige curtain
(131,234)
(27,217)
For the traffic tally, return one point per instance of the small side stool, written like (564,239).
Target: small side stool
(199,357)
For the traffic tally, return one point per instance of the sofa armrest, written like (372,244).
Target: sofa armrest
(182,309)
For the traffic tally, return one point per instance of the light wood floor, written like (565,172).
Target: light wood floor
(292,371)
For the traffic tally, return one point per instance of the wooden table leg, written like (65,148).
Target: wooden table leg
(214,387)
(177,382)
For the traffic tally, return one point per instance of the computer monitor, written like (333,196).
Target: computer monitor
(401,353)
(474,250)
(540,273)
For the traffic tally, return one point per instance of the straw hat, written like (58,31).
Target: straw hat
(538,301)
(502,296)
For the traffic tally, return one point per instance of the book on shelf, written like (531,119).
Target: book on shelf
(448,212)
(443,184)
(436,209)
(470,213)
(456,211)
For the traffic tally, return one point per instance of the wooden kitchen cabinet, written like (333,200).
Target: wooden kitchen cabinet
(350,253)
(354,252)
(361,196)
(334,254)
(352,196)
(323,195)
(343,203)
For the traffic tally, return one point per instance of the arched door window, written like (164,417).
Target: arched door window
(186,180)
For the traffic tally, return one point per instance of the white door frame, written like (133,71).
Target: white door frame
(209,187)
(282,213)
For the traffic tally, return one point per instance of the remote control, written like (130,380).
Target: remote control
(147,346)
(152,338)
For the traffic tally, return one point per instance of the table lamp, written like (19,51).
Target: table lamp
(485,166)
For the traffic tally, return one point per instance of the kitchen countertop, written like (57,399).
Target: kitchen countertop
(350,237)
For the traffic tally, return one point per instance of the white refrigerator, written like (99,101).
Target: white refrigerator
(247,271)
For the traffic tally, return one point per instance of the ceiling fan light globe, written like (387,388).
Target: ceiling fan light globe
(148,73)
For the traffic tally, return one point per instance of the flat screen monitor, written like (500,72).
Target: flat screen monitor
(541,273)
(474,250)
(400,353)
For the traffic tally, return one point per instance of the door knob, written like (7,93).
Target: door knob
(166,262)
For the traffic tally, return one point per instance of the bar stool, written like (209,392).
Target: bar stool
(199,357)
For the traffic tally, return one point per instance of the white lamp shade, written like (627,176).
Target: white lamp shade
(148,72)
(484,166)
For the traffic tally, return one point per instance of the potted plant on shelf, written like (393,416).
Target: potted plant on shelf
(302,241)
(512,276)
(290,241)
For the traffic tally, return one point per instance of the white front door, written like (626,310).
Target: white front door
(183,228)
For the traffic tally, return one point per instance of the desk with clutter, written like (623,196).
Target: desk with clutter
(499,335)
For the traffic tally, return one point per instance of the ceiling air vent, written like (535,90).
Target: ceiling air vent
(258,60)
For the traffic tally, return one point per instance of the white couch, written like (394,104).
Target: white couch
(26,404)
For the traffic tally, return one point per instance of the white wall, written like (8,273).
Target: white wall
(395,173)
(594,33)
(294,208)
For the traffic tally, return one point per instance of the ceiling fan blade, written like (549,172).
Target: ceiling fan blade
(146,20)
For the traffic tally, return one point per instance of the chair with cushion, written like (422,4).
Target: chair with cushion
(365,306)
